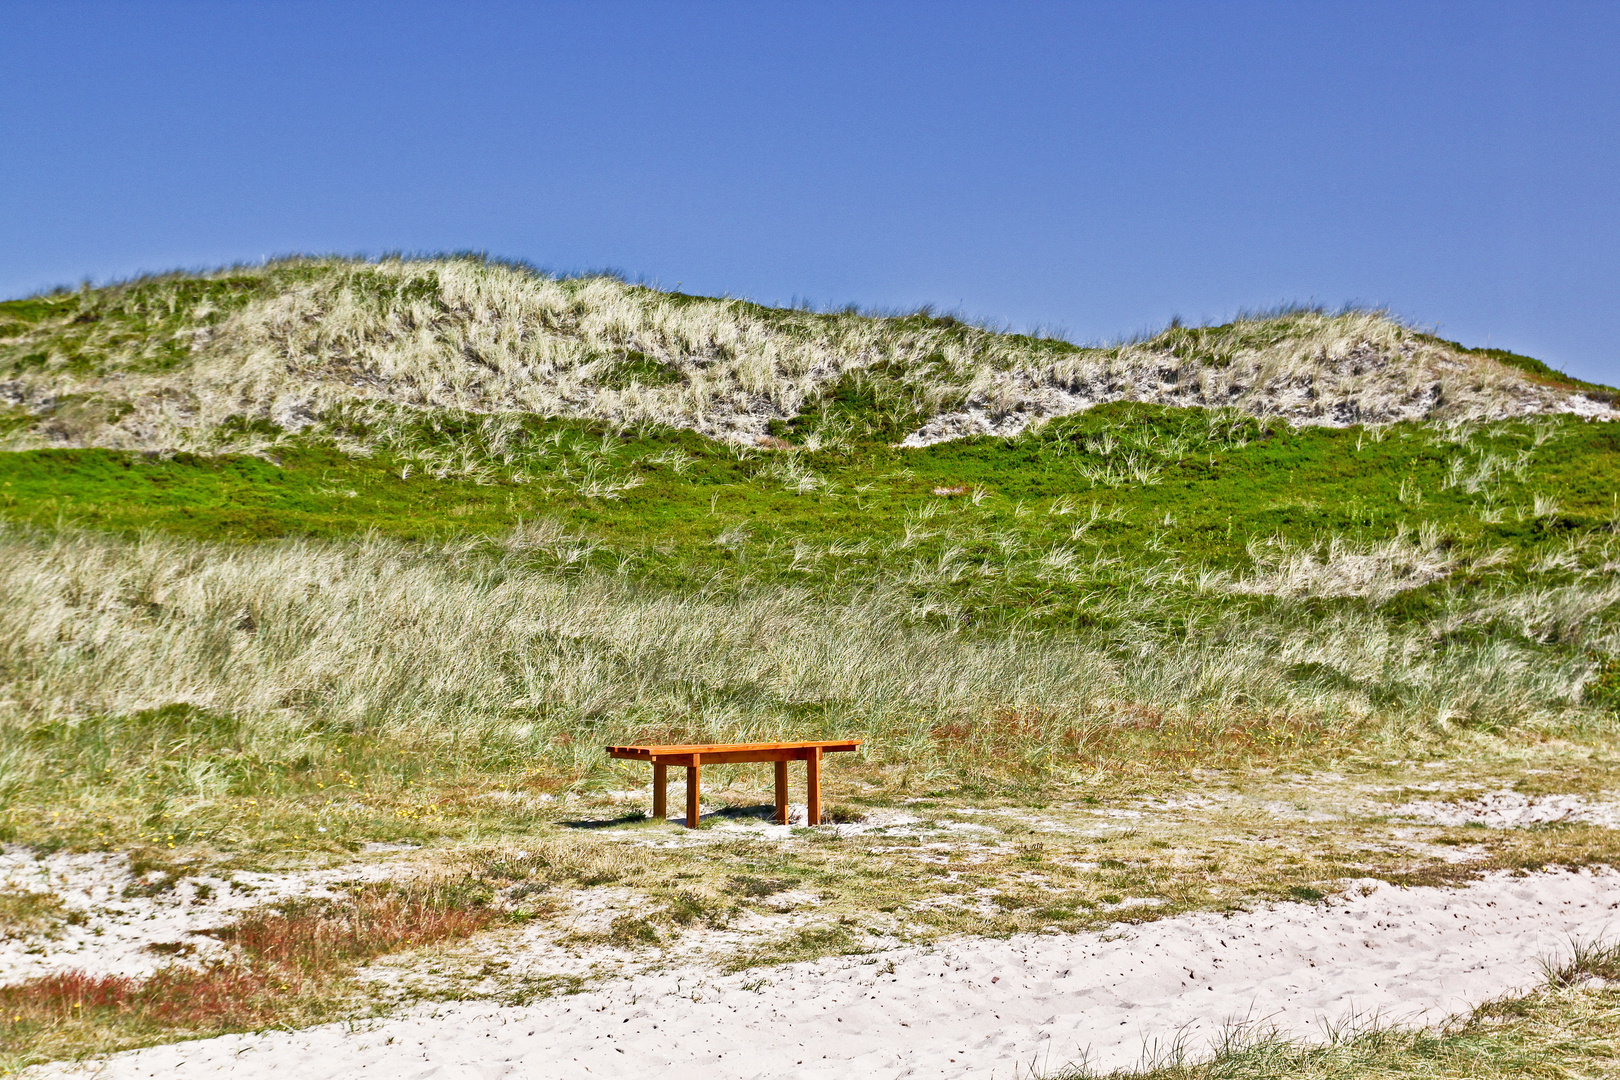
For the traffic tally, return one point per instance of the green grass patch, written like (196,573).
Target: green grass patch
(1547,1035)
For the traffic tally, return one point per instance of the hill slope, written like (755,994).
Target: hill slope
(321,555)
(235,358)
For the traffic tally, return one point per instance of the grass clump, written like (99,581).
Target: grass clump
(1588,960)
(28,913)
(1548,1035)
(808,943)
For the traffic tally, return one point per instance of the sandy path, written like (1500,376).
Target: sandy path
(975,1007)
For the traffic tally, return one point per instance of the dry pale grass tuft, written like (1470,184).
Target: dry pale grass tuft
(1337,567)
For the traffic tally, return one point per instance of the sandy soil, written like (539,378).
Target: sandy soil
(974,1007)
(1511,810)
(116,928)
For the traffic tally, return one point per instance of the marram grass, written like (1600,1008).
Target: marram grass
(197,690)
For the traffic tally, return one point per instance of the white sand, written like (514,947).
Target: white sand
(975,1007)
(1511,810)
(115,934)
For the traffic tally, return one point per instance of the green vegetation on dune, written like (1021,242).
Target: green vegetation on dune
(1537,368)
(202,362)
(1234,579)
(1005,529)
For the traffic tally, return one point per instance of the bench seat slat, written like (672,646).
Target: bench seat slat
(728,753)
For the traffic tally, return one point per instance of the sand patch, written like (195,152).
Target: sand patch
(124,924)
(1511,810)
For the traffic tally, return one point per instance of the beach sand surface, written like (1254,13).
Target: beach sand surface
(973,1007)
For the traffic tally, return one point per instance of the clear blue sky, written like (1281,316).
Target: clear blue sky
(1091,168)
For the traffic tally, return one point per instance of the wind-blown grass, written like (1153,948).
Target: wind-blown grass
(167,685)
(1336,568)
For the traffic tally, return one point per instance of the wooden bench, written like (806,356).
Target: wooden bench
(696,756)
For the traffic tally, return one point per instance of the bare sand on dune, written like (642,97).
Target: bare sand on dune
(117,927)
(974,1007)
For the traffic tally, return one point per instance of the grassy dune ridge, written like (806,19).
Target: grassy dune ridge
(234,357)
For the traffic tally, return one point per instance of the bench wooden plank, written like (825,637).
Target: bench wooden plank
(648,752)
(812,783)
(723,757)
(781,792)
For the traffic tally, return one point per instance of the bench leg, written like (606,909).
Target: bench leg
(812,776)
(660,791)
(781,792)
(693,773)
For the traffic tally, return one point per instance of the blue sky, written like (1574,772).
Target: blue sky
(1088,168)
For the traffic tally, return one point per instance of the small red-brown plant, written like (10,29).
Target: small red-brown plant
(212,998)
(312,936)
